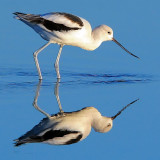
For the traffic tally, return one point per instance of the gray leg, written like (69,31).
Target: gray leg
(56,65)
(35,54)
(56,92)
(36,98)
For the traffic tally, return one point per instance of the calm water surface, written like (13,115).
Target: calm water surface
(137,128)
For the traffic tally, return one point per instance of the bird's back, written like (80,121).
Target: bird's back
(61,28)
(68,128)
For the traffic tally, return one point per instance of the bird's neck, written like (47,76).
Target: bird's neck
(97,37)
(99,122)
(96,119)
(93,41)
(90,44)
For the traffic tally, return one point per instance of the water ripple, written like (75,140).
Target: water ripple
(26,78)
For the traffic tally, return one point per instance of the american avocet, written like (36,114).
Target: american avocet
(67,127)
(66,29)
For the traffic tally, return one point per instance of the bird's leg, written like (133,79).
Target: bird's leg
(35,54)
(56,92)
(56,65)
(36,98)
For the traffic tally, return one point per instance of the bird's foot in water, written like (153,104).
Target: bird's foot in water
(61,114)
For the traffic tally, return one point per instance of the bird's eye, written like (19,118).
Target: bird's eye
(109,125)
(109,33)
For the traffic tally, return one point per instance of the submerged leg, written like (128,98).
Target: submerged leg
(56,92)
(35,54)
(56,65)
(36,98)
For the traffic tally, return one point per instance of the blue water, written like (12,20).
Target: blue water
(137,127)
(107,78)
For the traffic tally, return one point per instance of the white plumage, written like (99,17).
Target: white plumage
(67,29)
(67,128)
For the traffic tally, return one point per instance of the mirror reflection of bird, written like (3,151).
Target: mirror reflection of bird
(67,29)
(69,127)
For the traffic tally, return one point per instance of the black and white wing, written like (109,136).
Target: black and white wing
(55,137)
(45,132)
(56,21)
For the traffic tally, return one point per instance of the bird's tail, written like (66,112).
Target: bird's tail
(18,15)
(32,18)
(33,139)
(18,142)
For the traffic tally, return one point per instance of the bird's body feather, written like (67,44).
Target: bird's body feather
(67,128)
(61,28)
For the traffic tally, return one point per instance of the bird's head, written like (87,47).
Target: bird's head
(107,33)
(108,36)
(106,123)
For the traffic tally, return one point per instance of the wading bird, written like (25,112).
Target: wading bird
(67,127)
(66,29)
